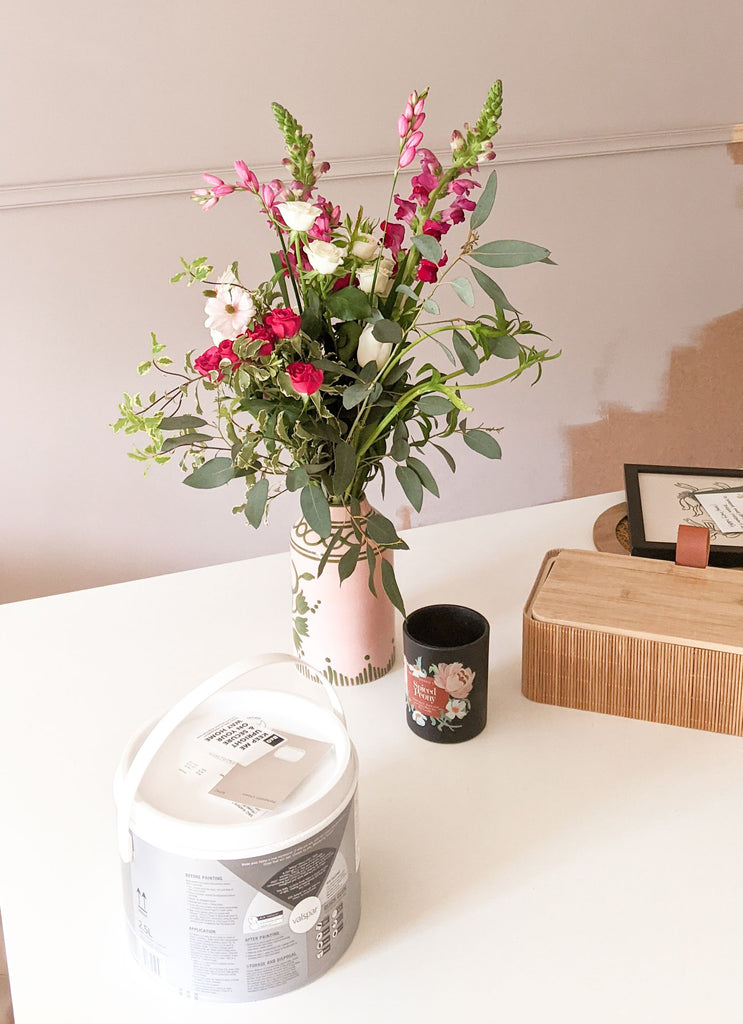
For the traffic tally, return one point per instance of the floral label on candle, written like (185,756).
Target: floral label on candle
(439,696)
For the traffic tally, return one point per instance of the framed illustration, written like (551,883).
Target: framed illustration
(661,498)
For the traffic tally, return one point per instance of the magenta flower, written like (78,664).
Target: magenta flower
(394,235)
(427,271)
(405,209)
(423,184)
(463,186)
(435,229)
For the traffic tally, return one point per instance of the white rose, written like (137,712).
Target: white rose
(365,247)
(370,350)
(299,216)
(324,257)
(383,283)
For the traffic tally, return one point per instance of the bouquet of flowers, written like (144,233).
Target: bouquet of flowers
(310,383)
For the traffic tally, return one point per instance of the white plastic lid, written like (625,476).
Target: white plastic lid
(169,806)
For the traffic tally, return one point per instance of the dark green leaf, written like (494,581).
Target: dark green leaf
(381,530)
(349,304)
(181,422)
(485,203)
(434,405)
(214,473)
(390,586)
(483,443)
(509,253)
(355,395)
(447,351)
(312,322)
(256,503)
(177,442)
(348,561)
(463,288)
(296,478)
(371,559)
(400,448)
(467,355)
(279,270)
(368,372)
(257,405)
(315,510)
(345,467)
(504,347)
(328,366)
(398,371)
(428,247)
(387,331)
(492,289)
(426,477)
(548,261)
(411,484)
(447,457)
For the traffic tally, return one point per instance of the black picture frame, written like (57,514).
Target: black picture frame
(684,509)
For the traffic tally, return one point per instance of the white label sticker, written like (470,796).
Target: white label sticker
(725,509)
(242,740)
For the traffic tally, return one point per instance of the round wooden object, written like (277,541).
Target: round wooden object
(611,531)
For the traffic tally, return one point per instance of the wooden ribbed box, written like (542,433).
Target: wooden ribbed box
(637,637)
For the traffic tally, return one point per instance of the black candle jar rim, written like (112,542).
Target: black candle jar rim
(445,627)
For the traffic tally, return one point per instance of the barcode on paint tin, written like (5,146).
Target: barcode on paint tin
(151,961)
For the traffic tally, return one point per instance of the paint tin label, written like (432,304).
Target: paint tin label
(246,929)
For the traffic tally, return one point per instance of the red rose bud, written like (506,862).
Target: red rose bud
(306,378)
(284,323)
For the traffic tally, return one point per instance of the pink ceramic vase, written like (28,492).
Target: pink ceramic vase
(340,629)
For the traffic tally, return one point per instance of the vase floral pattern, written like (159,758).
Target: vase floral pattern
(438,695)
(343,630)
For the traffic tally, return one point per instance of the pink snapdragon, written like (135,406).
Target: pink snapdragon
(435,228)
(247,179)
(423,185)
(394,235)
(408,127)
(405,209)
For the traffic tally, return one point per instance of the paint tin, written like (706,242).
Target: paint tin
(227,901)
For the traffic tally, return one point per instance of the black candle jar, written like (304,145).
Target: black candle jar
(446,672)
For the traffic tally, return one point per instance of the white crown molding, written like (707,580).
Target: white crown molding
(53,193)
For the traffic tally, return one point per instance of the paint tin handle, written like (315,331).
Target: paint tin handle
(173,718)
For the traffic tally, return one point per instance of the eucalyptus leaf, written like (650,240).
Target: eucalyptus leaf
(447,351)
(349,561)
(509,253)
(213,473)
(485,203)
(389,332)
(296,478)
(434,405)
(390,586)
(428,247)
(431,306)
(405,289)
(463,288)
(255,505)
(448,458)
(315,510)
(349,304)
(467,355)
(492,289)
(425,475)
(504,347)
(180,422)
(177,442)
(482,443)
(400,447)
(411,484)
(354,395)
(381,530)
(345,467)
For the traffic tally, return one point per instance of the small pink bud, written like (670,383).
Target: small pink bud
(212,179)
(403,126)
(418,108)
(457,141)
(418,122)
(407,156)
(324,167)
(222,190)
(246,176)
(413,98)
(415,140)
(209,203)
(409,110)
(197,192)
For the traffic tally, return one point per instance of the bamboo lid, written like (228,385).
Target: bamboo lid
(643,597)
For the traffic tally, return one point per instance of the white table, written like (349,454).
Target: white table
(563,866)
